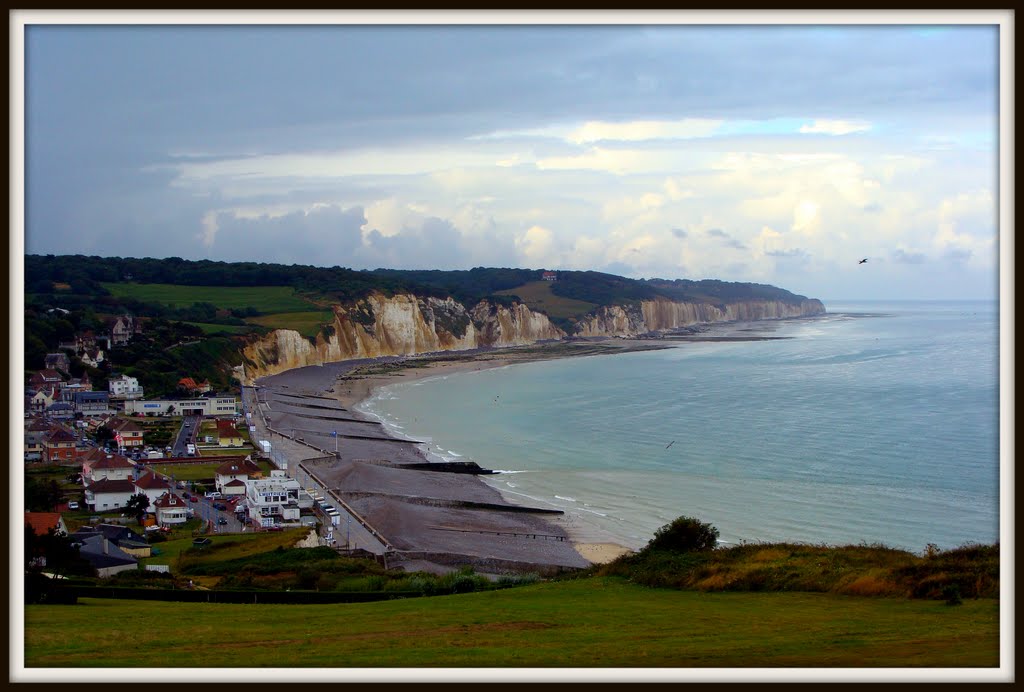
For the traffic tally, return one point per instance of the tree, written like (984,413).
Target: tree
(684,535)
(137,505)
(42,496)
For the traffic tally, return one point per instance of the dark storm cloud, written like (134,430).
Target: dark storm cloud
(325,236)
(435,245)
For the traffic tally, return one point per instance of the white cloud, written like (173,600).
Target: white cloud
(537,246)
(641,130)
(835,127)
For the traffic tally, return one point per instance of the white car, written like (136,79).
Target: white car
(72,505)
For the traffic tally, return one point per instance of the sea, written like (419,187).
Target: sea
(877,423)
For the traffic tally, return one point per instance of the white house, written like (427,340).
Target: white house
(171,510)
(124,387)
(107,495)
(153,487)
(98,465)
(230,477)
(273,500)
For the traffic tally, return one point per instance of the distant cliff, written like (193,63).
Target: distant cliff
(405,324)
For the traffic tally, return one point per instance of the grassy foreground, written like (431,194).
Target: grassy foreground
(582,623)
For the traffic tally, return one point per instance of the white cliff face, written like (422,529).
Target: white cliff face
(406,325)
(400,325)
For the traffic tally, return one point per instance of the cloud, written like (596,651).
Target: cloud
(536,246)
(835,127)
(904,257)
(678,233)
(725,238)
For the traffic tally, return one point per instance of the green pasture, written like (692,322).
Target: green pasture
(583,623)
(209,328)
(538,296)
(306,323)
(228,546)
(266,299)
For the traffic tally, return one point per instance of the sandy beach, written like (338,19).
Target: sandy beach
(422,514)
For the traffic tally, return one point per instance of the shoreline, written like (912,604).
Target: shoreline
(381,477)
(359,384)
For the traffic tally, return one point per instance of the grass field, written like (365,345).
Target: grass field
(538,296)
(230,545)
(209,328)
(585,623)
(306,323)
(266,299)
(195,472)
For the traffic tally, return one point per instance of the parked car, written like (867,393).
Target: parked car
(220,505)
(194,498)
(72,505)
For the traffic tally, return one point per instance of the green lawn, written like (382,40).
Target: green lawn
(306,323)
(267,299)
(538,296)
(584,623)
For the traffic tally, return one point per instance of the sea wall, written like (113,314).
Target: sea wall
(405,325)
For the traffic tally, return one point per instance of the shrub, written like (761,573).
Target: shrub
(684,535)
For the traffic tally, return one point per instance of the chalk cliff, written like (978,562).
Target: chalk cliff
(407,324)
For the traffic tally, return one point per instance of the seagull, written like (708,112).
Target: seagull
(863,261)
(670,444)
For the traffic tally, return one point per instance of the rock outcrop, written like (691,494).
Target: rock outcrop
(405,325)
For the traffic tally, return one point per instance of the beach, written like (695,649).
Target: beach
(424,513)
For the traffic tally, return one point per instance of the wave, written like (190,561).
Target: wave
(567,499)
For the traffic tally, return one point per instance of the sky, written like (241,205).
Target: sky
(778,154)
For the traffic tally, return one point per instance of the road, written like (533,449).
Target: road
(187,434)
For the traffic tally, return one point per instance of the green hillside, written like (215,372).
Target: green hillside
(265,299)
(538,296)
(595,622)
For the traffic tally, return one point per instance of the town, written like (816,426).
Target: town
(118,473)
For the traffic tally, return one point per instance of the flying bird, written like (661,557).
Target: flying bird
(670,444)
(863,261)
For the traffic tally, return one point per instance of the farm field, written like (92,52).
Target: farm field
(266,299)
(583,623)
(538,296)
(305,323)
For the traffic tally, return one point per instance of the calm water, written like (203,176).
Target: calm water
(877,423)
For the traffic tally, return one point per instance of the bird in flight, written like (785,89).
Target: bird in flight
(863,261)
(670,444)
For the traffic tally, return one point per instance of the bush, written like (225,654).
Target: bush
(684,535)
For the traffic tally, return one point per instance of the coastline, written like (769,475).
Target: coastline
(360,383)
(424,514)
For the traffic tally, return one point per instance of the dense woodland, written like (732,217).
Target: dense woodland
(83,276)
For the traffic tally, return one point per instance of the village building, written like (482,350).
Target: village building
(171,510)
(60,446)
(107,494)
(230,477)
(275,500)
(58,361)
(127,434)
(152,486)
(199,406)
(228,435)
(124,387)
